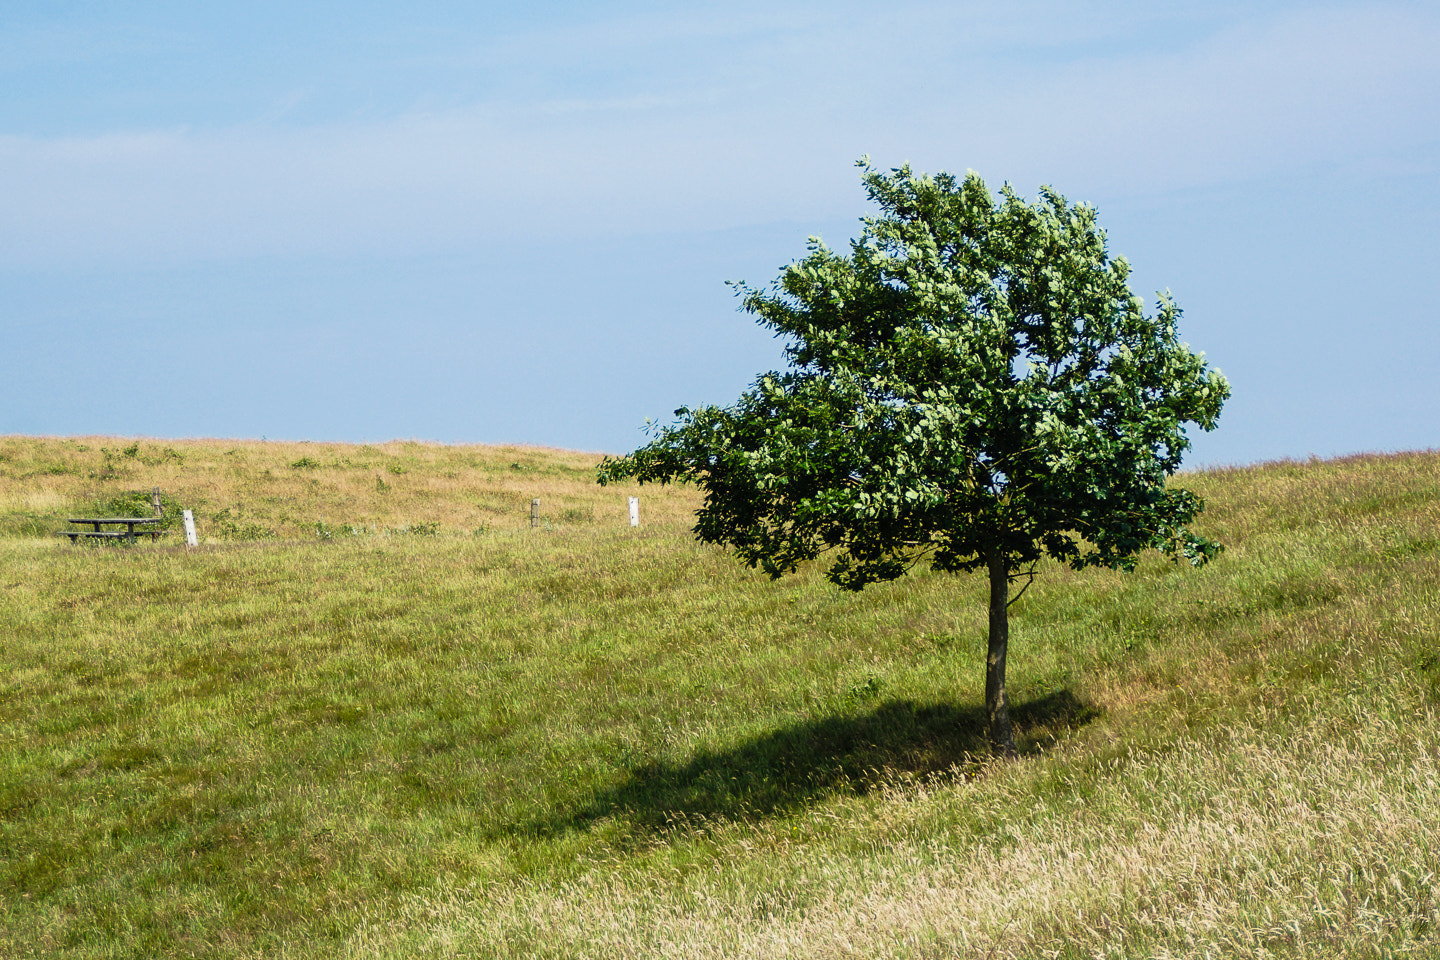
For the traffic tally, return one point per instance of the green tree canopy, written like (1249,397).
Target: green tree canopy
(973,386)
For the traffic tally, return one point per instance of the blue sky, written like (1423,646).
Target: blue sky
(513,223)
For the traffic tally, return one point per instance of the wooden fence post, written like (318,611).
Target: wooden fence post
(534,513)
(190,539)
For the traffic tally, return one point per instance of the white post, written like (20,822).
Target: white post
(190,538)
(634,511)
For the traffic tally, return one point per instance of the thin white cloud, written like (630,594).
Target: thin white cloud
(761,127)
(1334,86)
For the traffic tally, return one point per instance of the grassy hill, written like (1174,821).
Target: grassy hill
(376,715)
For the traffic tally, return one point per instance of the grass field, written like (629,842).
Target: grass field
(376,715)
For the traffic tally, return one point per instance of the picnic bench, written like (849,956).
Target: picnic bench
(98,522)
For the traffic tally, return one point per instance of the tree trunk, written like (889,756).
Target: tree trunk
(1002,737)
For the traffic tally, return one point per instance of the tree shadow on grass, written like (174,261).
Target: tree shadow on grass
(781,771)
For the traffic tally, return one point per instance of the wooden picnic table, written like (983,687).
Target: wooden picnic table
(97,522)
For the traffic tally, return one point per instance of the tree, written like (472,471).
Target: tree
(974,386)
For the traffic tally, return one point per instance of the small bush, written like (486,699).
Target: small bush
(138,503)
(133,452)
(418,529)
(108,470)
(229,525)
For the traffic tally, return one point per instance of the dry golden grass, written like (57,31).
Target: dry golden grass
(346,740)
(252,489)
(1239,845)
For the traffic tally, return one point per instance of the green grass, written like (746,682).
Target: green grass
(322,735)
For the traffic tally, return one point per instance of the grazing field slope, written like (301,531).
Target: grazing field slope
(377,714)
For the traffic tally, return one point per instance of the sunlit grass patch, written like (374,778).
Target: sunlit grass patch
(1246,845)
(259,490)
(592,740)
